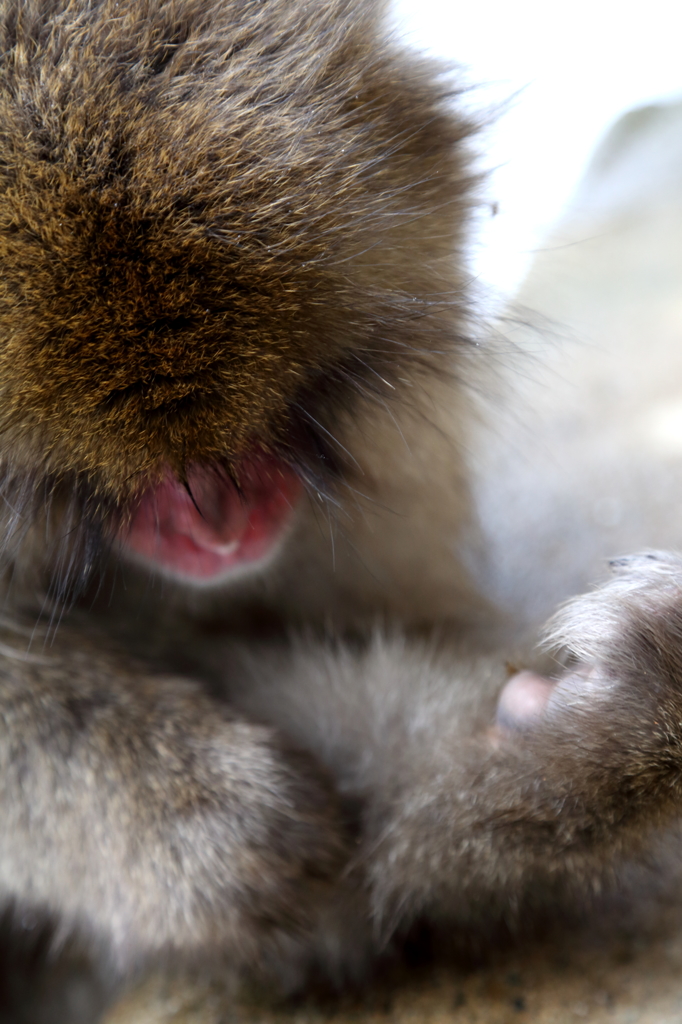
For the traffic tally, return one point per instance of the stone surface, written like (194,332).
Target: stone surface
(621,985)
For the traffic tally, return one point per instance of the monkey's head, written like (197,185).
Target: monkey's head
(222,223)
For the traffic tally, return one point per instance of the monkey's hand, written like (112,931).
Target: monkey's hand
(577,773)
(137,809)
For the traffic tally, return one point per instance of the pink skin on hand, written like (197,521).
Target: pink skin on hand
(524,700)
(208,529)
(522,705)
(528,698)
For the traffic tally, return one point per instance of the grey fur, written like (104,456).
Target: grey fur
(293,769)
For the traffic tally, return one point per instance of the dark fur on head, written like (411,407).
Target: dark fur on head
(218,220)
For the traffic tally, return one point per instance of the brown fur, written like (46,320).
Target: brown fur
(204,242)
(234,224)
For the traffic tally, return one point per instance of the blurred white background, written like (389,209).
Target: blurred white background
(566,72)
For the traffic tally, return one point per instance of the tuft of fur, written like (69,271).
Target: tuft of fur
(218,219)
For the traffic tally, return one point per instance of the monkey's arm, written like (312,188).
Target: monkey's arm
(135,808)
(463,817)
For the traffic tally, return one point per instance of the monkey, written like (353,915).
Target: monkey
(254,702)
